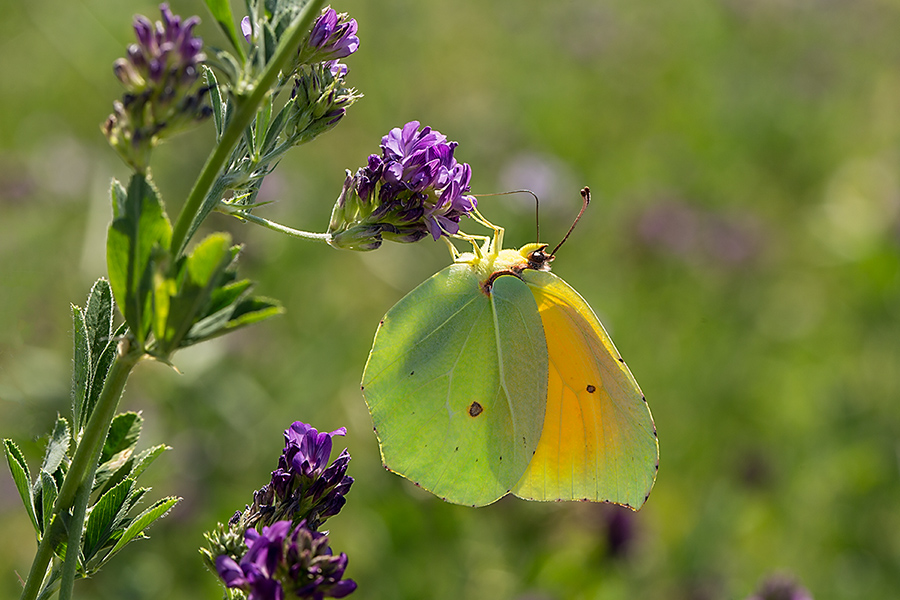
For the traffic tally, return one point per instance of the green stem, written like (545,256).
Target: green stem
(243,215)
(246,109)
(83,463)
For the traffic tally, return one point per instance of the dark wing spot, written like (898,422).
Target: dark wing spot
(411,373)
(591,389)
(475,409)
(621,360)
(456,449)
(362,388)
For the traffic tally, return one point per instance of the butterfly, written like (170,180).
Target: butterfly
(494,376)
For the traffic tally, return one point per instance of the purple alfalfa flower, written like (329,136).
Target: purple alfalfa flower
(304,486)
(167,54)
(416,187)
(257,570)
(333,36)
(281,562)
(780,587)
(309,450)
(164,93)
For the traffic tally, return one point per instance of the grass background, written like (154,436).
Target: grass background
(743,249)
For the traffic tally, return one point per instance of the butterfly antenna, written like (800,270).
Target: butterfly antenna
(586,199)
(537,219)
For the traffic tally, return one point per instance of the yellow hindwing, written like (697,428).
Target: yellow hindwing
(598,441)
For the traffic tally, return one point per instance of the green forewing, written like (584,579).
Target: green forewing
(442,348)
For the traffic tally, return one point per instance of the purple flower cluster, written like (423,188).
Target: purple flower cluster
(305,477)
(281,562)
(166,55)
(164,95)
(304,486)
(414,188)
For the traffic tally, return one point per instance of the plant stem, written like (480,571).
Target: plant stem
(246,109)
(84,463)
(243,215)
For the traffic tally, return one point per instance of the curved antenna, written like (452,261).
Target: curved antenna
(586,199)
(537,202)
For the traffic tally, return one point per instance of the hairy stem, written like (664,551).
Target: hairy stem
(80,475)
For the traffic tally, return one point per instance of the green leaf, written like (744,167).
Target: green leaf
(245,312)
(137,243)
(124,432)
(48,498)
(221,12)
(57,447)
(22,477)
(103,518)
(137,527)
(146,458)
(101,370)
(275,129)
(198,276)
(119,196)
(116,458)
(81,365)
(261,124)
(98,318)
(210,202)
(93,337)
(228,294)
(215,100)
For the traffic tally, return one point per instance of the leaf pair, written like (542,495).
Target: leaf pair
(172,303)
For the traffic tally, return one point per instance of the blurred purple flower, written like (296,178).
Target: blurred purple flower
(780,587)
(692,233)
(280,562)
(413,189)
(246,28)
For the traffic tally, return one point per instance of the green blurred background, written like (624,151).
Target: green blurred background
(743,249)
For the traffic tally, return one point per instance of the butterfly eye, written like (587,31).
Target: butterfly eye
(539,260)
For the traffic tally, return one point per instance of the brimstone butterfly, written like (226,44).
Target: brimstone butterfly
(495,377)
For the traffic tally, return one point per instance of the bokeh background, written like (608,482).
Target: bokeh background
(743,249)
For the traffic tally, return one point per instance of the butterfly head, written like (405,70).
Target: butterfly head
(537,256)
